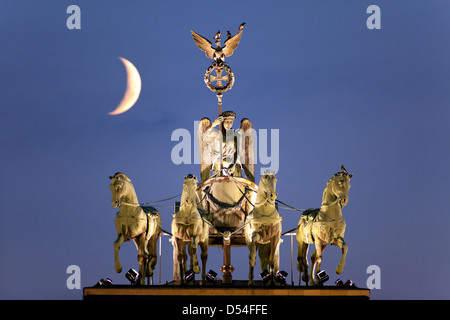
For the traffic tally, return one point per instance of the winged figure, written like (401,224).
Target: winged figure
(237,147)
(219,53)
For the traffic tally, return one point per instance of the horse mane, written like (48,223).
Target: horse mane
(329,184)
(260,197)
(325,191)
(126,179)
(268,173)
(122,175)
(183,194)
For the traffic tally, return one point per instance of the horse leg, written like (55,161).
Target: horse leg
(176,267)
(302,261)
(277,257)
(184,260)
(120,240)
(251,266)
(193,254)
(319,261)
(272,256)
(181,258)
(152,256)
(263,254)
(341,244)
(316,260)
(142,257)
(252,256)
(313,265)
(204,257)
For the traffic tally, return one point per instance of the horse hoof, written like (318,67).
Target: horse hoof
(119,269)
(339,269)
(250,282)
(196,269)
(313,283)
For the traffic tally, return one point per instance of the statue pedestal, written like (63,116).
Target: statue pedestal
(236,290)
(218,301)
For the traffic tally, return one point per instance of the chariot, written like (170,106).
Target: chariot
(227,201)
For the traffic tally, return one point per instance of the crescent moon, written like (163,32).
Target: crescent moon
(133,88)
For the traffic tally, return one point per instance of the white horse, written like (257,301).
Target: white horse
(324,226)
(135,223)
(189,228)
(263,228)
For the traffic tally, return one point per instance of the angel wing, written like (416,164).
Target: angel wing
(205,149)
(204,44)
(246,148)
(231,44)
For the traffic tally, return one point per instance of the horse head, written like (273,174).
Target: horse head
(119,188)
(340,184)
(189,195)
(267,186)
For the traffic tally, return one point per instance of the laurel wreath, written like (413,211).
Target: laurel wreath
(217,67)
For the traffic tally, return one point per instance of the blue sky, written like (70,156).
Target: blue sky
(376,101)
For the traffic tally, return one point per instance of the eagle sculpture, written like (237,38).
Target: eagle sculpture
(218,53)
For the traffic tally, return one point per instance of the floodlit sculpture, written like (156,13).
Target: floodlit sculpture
(189,229)
(323,226)
(227,208)
(137,223)
(263,228)
(225,148)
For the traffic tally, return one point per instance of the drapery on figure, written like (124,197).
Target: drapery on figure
(237,147)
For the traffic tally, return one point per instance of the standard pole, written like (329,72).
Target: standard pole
(160,238)
(292,259)
(219,99)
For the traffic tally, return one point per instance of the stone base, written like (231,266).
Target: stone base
(219,293)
